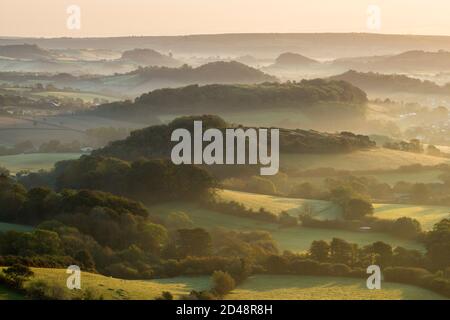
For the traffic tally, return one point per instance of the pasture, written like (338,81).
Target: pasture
(296,239)
(259,287)
(34,161)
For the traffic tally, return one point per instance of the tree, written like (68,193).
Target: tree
(320,250)
(194,242)
(357,208)
(223,283)
(406,227)
(437,243)
(420,193)
(341,251)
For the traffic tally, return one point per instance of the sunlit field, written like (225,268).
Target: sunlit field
(34,161)
(296,239)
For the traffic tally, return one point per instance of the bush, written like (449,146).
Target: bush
(223,283)
(165,295)
(41,290)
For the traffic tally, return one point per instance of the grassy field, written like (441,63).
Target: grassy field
(15,227)
(296,239)
(263,287)
(374,159)
(426,215)
(323,209)
(85,96)
(391,178)
(260,287)
(34,161)
(112,288)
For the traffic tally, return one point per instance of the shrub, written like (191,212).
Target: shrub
(223,283)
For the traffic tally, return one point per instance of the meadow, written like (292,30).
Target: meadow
(287,287)
(34,161)
(259,287)
(426,215)
(373,159)
(296,239)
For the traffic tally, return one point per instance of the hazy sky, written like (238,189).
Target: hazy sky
(48,18)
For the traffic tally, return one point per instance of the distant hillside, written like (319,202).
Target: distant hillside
(145,79)
(377,82)
(409,61)
(313,97)
(213,72)
(294,60)
(154,141)
(149,57)
(24,51)
(317,45)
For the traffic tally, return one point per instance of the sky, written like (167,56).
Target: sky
(49,18)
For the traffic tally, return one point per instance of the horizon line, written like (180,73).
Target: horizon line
(224,34)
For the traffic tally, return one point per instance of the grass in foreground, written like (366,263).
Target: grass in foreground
(325,288)
(260,287)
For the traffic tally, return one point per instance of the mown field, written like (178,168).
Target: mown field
(426,215)
(296,239)
(34,161)
(260,287)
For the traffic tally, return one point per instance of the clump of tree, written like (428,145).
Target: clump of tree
(146,180)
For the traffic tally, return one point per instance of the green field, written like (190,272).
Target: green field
(85,96)
(296,239)
(34,161)
(15,227)
(260,287)
(112,288)
(374,159)
(322,209)
(273,287)
(426,215)
(391,178)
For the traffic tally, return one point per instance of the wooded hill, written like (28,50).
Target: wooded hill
(309,96)
(154,141)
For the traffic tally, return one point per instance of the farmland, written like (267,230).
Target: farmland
(426,215)
(378,158)
(296,239)
(34,161)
